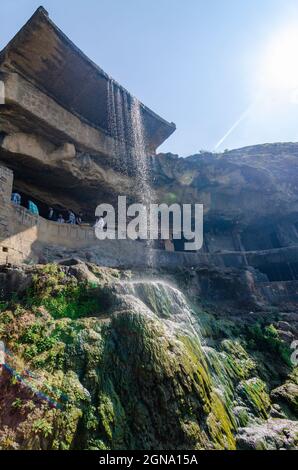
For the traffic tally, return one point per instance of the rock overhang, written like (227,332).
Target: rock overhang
(41,53)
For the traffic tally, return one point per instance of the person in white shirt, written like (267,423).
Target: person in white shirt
(100,223)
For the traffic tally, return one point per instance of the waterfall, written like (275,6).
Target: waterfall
(162,300)
(166,302)
(125,122)
(118,125)
(140,156)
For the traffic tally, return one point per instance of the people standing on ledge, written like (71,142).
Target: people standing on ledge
(51,214)
(60,219)
(33,208)
(100,223)
(79,219)
(16,199)
(71,218)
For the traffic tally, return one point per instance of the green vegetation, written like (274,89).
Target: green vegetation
(129,379)
(3,306)
(255,393)
(43,427)
(265,338)
(62,296)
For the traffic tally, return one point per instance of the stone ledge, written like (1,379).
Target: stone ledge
(26,97)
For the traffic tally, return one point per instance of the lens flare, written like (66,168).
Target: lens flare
(279,61)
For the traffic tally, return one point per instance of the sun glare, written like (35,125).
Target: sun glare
(279,61)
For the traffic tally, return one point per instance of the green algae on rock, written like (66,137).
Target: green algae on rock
(128,366)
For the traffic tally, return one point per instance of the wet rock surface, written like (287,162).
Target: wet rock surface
(100,358)
(275,434)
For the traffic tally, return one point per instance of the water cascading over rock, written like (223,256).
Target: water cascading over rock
(130,146)
(131,364)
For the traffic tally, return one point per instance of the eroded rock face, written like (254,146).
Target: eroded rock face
(245,185)
(81,181)
(276,434)
(240,186)
(102,359)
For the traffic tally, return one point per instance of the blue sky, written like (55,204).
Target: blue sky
(195,62)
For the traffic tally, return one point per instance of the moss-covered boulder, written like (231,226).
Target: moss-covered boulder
(96,359)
